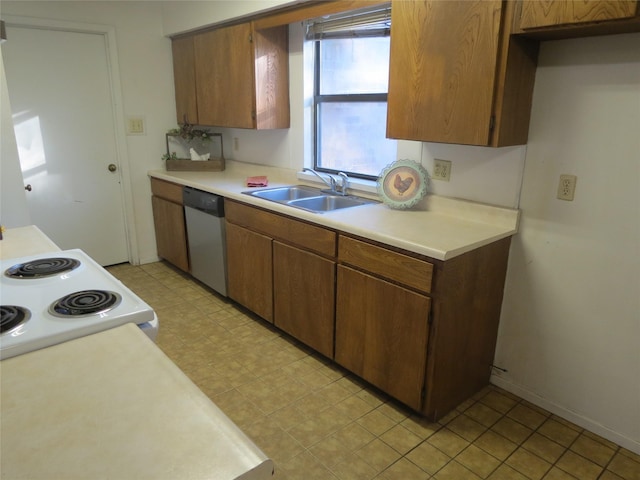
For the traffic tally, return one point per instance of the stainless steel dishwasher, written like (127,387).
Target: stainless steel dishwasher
(204,213)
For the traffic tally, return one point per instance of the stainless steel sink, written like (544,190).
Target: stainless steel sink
(285,194)
(309,198)
(327,203)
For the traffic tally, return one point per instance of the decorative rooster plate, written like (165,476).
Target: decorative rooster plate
(402,184)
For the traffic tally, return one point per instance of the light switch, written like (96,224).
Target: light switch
(135,125)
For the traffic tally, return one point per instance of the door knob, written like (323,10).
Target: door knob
(27,187)
(112,167)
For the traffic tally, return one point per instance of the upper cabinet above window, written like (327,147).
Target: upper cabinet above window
(456,74)
(233,76)
(547,13)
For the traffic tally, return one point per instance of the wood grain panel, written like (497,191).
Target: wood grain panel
(442,70)
(272,77)
(167,190)
(304,296)
(250,270)
(224,77)
(296,232)
(171,235)
(467,299)
(546,13)
(401,268)
(184,77)
(381,334)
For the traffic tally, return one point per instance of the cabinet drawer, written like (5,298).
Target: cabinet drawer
(401,268)
(167,190)
(310,237)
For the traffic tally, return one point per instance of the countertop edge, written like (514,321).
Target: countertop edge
(483,224)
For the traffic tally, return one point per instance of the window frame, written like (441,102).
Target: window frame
(319,99)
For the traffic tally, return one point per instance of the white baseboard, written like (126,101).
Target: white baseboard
(561,411)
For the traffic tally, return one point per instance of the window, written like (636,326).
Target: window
(351,74)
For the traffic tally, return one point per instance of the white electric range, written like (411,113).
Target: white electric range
(53,297)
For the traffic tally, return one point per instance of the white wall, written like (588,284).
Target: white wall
(186,15)
(145,64)
(570,325)
(14,211)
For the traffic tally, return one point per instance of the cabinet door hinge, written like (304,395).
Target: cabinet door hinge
(492,122)
(251,38)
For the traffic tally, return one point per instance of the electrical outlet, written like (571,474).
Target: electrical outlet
(442,170)
(135,125)
(567,187)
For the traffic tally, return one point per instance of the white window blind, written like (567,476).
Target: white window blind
(369,22)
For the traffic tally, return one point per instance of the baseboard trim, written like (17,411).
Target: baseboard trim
(561,411)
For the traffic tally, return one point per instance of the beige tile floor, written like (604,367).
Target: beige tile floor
(316,421)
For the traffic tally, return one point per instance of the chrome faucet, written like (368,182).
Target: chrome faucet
(331,183)
(345,183)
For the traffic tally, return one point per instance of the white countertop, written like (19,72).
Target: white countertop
(25,241)
(113,406)
(439,227)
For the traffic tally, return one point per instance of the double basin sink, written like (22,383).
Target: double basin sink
(309,198)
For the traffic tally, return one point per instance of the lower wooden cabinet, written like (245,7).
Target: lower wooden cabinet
(169,223)
(382,334)
(304,296)
(250,270)
(421,330)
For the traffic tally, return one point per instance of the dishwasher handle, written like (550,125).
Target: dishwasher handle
(206,202)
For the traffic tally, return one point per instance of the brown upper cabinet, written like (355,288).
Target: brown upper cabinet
(548,13)
(457,75)
(557,19)
(234,76)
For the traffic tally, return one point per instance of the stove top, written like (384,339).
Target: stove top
(55,297)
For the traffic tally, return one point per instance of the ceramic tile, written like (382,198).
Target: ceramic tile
(593,450)
(428,458)
(318,421)
(405,470)
(558,432)
(544,448)
(400,439)
(527,416)
(448,442)
(377,422)
(528,464)
(378,454)
(455,471)
(466,427)
(497,445)
(512,429)
(353,468)
(579,466)
(478,461)
(625,466)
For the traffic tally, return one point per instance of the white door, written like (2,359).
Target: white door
(63,114)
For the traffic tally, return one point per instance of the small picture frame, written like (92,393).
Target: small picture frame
(402,184)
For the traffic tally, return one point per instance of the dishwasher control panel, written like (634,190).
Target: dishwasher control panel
(204,201)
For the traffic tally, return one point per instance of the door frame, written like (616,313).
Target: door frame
(108,33)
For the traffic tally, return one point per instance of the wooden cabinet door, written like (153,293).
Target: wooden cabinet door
(304,296)
(184,77)
(442,71)
(547,13)
(250,270)
(225,77)
(381,334)
(171,235)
